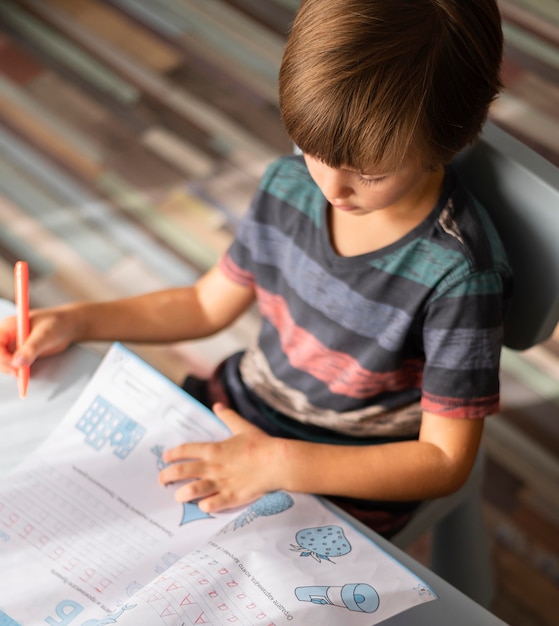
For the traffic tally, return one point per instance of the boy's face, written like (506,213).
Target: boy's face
(362,193)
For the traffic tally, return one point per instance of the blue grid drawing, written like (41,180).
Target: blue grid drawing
(103,424)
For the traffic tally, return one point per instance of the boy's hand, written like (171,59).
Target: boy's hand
(7,345)
(51,332)
(229,473)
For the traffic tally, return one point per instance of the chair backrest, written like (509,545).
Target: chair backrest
(520,190)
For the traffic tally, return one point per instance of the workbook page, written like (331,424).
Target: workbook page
(84,520)
(88,536)
(287,559)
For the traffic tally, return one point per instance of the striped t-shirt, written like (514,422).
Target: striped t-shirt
(361,345)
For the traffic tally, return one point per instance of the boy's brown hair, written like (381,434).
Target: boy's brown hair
(367,83)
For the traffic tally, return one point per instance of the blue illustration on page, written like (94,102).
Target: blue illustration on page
(104,424)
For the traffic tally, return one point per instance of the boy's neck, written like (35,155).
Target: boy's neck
(352,235)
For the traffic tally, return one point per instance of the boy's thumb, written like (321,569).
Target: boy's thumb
(20,360)
(24,356)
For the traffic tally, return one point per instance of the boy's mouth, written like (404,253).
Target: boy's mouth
(344,207)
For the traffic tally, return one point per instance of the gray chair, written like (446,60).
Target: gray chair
(520,190)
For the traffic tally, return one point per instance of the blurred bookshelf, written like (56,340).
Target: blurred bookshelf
(133,136)
(527,108)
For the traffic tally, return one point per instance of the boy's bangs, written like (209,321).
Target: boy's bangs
(341,135)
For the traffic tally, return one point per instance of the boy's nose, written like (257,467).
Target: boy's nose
(335,187)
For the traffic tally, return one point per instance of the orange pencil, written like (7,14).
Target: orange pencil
(21,282)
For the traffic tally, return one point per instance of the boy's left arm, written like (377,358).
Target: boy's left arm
(251,463)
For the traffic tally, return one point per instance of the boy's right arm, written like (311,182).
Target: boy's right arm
(176,314)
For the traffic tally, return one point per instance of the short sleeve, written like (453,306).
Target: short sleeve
(463,337)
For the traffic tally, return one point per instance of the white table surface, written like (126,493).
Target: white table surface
(57,381)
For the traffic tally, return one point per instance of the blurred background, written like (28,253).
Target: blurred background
(132,137)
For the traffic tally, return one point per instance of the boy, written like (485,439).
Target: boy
(381,284)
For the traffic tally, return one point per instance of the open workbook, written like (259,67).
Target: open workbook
(89,537)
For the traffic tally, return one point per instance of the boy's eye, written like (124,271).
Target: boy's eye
(372,180)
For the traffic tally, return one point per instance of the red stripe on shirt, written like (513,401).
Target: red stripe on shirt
(234,272)
(339,371)
(460,408)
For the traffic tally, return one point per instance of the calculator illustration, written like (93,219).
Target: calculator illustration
(103,424)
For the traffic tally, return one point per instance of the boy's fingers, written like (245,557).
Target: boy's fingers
(20,359)
(235,422)
(6,366)
(10,358)
(26,355)
(36,345)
